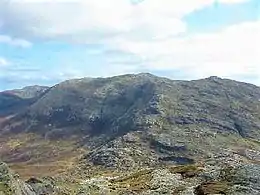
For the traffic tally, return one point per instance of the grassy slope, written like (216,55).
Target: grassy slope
(33,156)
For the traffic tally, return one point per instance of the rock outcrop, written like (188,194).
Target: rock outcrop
(10,184)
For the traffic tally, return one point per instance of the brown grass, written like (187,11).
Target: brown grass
(186,170)
(213,188)
(32,156)
(138,181)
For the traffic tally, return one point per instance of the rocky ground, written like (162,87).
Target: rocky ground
(209,177)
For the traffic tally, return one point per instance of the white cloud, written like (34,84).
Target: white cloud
(88,20)
(148,30)
(232,1)
(85,20)
(15,42)
(3,62)
(232,51)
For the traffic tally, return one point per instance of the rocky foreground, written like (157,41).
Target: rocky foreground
(204,179)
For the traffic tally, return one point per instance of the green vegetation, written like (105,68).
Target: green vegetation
(5,189)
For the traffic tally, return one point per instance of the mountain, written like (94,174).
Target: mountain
(13,101)
(28,92)
(126,123)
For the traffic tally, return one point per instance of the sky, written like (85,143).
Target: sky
(43,42)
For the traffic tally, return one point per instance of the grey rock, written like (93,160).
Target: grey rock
(10,184)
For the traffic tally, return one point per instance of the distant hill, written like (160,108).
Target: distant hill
(28,92)
(13,101)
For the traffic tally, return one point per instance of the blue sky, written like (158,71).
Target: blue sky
(44,42)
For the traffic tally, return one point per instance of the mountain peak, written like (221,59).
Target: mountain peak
(214,78)
(146,74)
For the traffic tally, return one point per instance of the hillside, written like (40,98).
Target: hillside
(128,123)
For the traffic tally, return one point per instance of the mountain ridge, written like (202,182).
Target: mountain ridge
(68,98)
(131,122)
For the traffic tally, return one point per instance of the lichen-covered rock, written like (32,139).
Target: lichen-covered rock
(164,182)
(10,184)
(112,158)
(246,179)
(42,186)
(124,153)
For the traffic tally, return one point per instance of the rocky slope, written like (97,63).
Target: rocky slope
(10,184)
(138,128)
